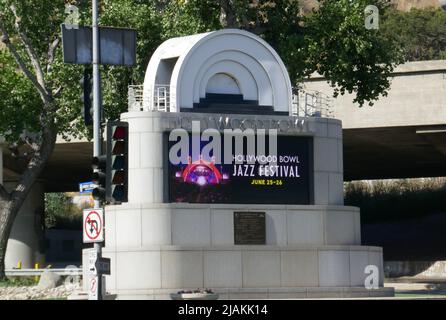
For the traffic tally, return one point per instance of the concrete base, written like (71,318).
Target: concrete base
(238,272)
(268,293)
(159,249)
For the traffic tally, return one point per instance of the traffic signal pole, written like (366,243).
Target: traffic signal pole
(97,106)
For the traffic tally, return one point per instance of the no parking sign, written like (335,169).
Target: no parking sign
(93,223)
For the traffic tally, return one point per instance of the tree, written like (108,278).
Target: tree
(421,33)
(61,212)
(332,40)
(35,59)
(350,57)
(39,93)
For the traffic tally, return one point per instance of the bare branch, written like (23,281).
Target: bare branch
(51,48)
(29,48)
(32,144)
(57,92)
(6,40)
(36,164)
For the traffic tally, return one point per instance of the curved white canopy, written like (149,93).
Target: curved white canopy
(221,60)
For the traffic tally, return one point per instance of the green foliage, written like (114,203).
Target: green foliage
(18,282)
(139,15)
(390,200)
(61,213)
(351,57)
(19,102)
(40,21)
(421,33)
(332,41)
(181,18)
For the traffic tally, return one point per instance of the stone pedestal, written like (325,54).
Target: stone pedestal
(158,248)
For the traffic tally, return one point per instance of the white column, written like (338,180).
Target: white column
(26,239)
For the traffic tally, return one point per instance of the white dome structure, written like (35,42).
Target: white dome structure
(228,62)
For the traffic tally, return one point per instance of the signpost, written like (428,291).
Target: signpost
(93,223)
(93,278)
(95,45)
(103,266)
(97,268)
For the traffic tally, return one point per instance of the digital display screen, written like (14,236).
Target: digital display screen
(279,177)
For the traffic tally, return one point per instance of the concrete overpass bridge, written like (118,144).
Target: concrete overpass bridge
(404,134)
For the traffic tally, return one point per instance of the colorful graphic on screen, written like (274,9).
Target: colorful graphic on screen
(249,180)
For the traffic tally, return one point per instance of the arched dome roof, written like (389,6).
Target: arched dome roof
(191,65)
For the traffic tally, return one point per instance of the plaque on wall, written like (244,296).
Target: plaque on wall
(249,228)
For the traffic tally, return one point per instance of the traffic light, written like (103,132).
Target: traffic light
(117,161)
(87,96)
(99,177)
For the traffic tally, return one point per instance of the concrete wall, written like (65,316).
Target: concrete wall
(417,97)
(141,225)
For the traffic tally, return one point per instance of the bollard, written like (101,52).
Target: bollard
(36,278)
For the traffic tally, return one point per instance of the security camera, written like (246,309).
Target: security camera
(442,4)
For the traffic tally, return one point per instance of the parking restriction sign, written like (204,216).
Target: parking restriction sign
(93,223)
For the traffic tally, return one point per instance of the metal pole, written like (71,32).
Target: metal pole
(97,106)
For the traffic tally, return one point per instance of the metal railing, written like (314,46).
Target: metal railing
(37,272)
(157,98)
(311,104)
(305,103)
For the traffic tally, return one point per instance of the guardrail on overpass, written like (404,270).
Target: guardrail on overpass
(38,272)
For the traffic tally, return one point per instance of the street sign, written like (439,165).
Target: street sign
(93,223)
(103,265)
(92,259)
(117,46)
(93,286)
(86,187)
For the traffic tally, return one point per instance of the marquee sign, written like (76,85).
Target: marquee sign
(252,179)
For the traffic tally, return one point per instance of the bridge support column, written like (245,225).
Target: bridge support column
(26,242)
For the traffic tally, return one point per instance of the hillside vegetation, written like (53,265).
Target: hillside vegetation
(390,200)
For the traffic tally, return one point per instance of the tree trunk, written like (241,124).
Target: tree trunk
(228,17)
(11,202)
(5,230)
